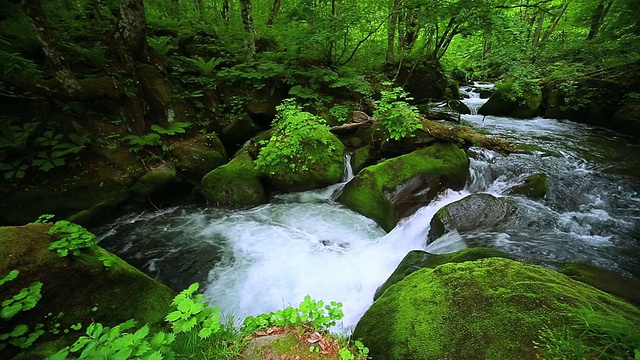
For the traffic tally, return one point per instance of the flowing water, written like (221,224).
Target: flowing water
(264,258)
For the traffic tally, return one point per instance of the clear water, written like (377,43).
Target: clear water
(264,258)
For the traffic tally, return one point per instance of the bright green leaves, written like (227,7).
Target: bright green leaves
(396,115)
(294,132)
(192,313)
(25,300)
(312,312)
(174,128)
(71,238)
(137,143)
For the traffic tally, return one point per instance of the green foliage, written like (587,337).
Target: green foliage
(96,55)
(293,129)
(310,312)
(20,336)
(341,112)
(14,170)
(137,143)
(101,342)
(16,67)
(193,314)
(161,44)
(205,67)
(43,219)
(174,128)
(71,238)
(396,115)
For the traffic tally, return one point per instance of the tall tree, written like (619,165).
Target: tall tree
(597,18)
(249,30)
(131,33)
(274,12)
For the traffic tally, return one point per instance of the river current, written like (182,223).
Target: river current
(265,258)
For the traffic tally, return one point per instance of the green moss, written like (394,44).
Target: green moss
(534,186)
(234,184)
(418,259)
(511,99)
(486,309)
(369,193)
(196,160)
(81,287)
(156,180)
(605,280)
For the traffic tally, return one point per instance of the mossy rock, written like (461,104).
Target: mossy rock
(419,259)
(486,309)
(386,191)
(238,131)
(362,157)
(324,160)
(159,179)
(79,286)
(434,112)
(627,119)
(469,213)
(534,186)
(506,101)
(605,280)
(196,160)
(235,184)
(281,346)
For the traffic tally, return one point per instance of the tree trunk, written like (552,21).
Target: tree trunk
(554,23)
(274,12)
(131,34)
(391,29)
(95,7)
(538,32)
(598,18)
(49,44)
(250,32)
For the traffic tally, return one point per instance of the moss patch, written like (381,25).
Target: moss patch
(605,280)
(534,186)
(510,100)
(486,309)
(375,190)
(234,184)
(81,287)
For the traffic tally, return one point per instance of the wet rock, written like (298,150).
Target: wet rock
(195,159)
(236,184)
(155,181)
(436,112)
(627,119)
(507,101)
(459,106)
(423,81)
(605,280)
(470,213)
(488,309)
(396,187)
(418,259)
(238,131)
(534,186)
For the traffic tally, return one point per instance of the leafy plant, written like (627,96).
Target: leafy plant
(174,128)
(294,133)
(26,299)
(205,67)
(193,313)
(396,115)
(46,161)
(161,44)
(137,143)
(341,112)
(14,170)
(71,238)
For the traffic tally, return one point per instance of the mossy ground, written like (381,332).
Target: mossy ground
(486,309)
(506,101)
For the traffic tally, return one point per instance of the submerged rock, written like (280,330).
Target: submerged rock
(396,187)
(235,184)
(80,287)
(534,186)
(472,212)
(435,112)
(490,309)
(418,259)
(507,101)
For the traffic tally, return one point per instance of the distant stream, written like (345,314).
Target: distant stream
(262,259)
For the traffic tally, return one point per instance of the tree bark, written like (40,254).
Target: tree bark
(131,34)
(249,30)
(538,32)
(274,12)
(49,44)
(554,23)
(391,29)
(598,18)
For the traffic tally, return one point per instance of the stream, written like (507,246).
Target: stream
(265,258)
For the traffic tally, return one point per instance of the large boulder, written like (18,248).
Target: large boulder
(493,309)
(435,112)
(627,119)
(605,280)
(197,156)
(424,81)
(511,100)
(396,187)
(236,184)
(82,287)
(470,213)
(419,259)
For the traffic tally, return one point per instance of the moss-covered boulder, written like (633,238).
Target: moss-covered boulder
(494,309)
(513,99)
(81,287)
(196,157)
(393,188)
(238,131)
(292,345)
(627,119)
(534,186)
(235,184)
(605,280)
(157,180)
(418,259)
(472,212)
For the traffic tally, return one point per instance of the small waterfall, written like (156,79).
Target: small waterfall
(472,97)
(348,169)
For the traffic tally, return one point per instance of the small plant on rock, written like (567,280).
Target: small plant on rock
(396,115)
(72,238)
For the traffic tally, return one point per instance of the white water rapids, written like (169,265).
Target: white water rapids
(265,258)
